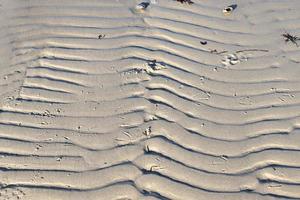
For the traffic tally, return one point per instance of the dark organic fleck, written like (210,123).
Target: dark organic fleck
(152,63)
(185,1)
(290,38)
(101,36)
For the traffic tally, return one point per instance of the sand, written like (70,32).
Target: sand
(107,100)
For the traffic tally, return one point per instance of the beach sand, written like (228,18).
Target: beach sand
(112,100)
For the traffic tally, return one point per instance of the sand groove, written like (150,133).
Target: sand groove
(147,111)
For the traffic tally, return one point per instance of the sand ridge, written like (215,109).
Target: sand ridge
(101,101)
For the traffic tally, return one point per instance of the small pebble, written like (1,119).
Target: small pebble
(228,10)
(142,6)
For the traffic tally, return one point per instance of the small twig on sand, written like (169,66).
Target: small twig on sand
(185,1)
(263,50)
(215,51)
(290,38)
(222,52)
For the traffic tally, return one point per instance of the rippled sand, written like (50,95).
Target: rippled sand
(101,99)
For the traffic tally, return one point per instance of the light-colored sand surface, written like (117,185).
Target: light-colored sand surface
(84,118)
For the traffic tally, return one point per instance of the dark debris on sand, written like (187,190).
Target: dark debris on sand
(291,38)
(101,36)
(185,1)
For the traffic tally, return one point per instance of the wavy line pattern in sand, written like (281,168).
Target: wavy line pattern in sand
(89,118)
